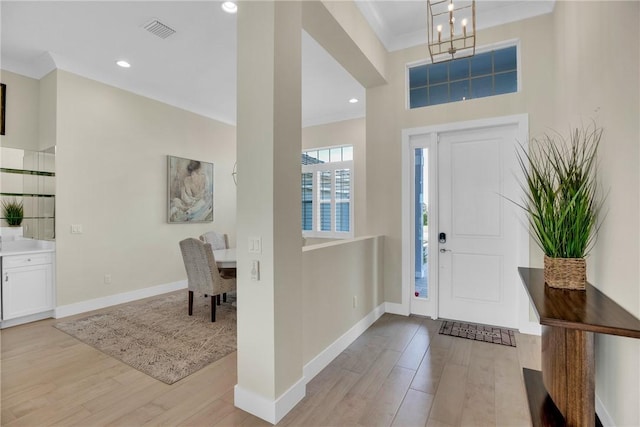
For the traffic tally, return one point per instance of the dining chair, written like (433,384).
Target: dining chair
(202,273)
(217,240)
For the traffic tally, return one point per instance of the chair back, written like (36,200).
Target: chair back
(217,240)
(202,271)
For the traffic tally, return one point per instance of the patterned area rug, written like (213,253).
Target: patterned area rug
(491,334)
(158,337)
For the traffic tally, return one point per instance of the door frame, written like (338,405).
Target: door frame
(526,319)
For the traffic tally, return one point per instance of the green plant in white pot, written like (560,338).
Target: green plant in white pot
(13,212)
(562,202)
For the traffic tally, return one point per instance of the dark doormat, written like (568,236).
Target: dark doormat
(471,331)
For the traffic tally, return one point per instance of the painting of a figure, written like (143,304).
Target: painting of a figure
(190,190)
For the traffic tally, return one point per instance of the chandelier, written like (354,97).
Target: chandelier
(451,29)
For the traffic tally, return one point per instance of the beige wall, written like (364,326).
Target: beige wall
(47,111)
(387,115)
(21,115)
(597,79)
(347,132)
(570,74)
(354,271)
(112,179)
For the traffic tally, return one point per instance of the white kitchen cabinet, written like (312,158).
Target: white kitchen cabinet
(27,285)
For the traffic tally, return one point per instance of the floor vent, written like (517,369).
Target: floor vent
(159,29)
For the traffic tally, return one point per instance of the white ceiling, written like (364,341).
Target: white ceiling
(195,68)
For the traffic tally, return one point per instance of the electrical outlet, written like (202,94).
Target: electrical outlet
(355,301)
(76,228)
(107,279)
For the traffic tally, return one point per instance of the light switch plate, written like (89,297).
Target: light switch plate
(76,228)
(255,270)
(255,245)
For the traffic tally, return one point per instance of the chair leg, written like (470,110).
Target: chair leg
(213,309)
(218,299)
(224,297)
(190,303)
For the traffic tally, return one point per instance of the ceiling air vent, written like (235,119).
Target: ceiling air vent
(159,29)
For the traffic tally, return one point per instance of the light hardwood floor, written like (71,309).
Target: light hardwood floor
(400,372)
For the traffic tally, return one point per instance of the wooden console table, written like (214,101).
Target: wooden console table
(569,320)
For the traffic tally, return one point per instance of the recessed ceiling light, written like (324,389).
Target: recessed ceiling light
(122,63)
(353,100)
(229,7)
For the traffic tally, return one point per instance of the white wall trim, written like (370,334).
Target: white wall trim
(394,308)
(265,408)
(530,328)
(325,357)
(108,301)
(603,414)
(274,411)
(26,319)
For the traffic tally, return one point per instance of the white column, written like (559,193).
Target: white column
(270,360)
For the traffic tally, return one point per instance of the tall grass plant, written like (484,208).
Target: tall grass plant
(561,194)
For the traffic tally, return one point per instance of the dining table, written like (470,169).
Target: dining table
(225,258)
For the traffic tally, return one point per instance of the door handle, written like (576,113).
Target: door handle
(443,250)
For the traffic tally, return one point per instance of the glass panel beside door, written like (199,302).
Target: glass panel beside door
(421,198)
(421,223)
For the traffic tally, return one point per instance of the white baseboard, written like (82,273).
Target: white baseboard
(108,301)
(267,409)
(603,414)
(319,362)
(395,308)
(530,328)
(274,411)
(26,319)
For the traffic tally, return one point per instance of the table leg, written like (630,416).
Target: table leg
(568,370)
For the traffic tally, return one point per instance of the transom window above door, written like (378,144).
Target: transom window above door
(485,74)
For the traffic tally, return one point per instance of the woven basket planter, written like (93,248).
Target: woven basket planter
(565,273)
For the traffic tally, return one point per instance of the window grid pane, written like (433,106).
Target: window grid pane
(347,153)
(325,216)
(342,196)
(323,155)
(482,75)
(307,201)
(324,193)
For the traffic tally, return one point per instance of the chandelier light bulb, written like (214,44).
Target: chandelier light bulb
(457,40)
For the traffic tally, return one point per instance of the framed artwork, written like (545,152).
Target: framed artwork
(190,190)
(3,105)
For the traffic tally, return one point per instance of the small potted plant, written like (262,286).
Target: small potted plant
(13,212)
(562,202)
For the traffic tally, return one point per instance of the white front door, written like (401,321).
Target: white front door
(478,228)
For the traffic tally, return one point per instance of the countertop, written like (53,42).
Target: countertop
(26,246)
